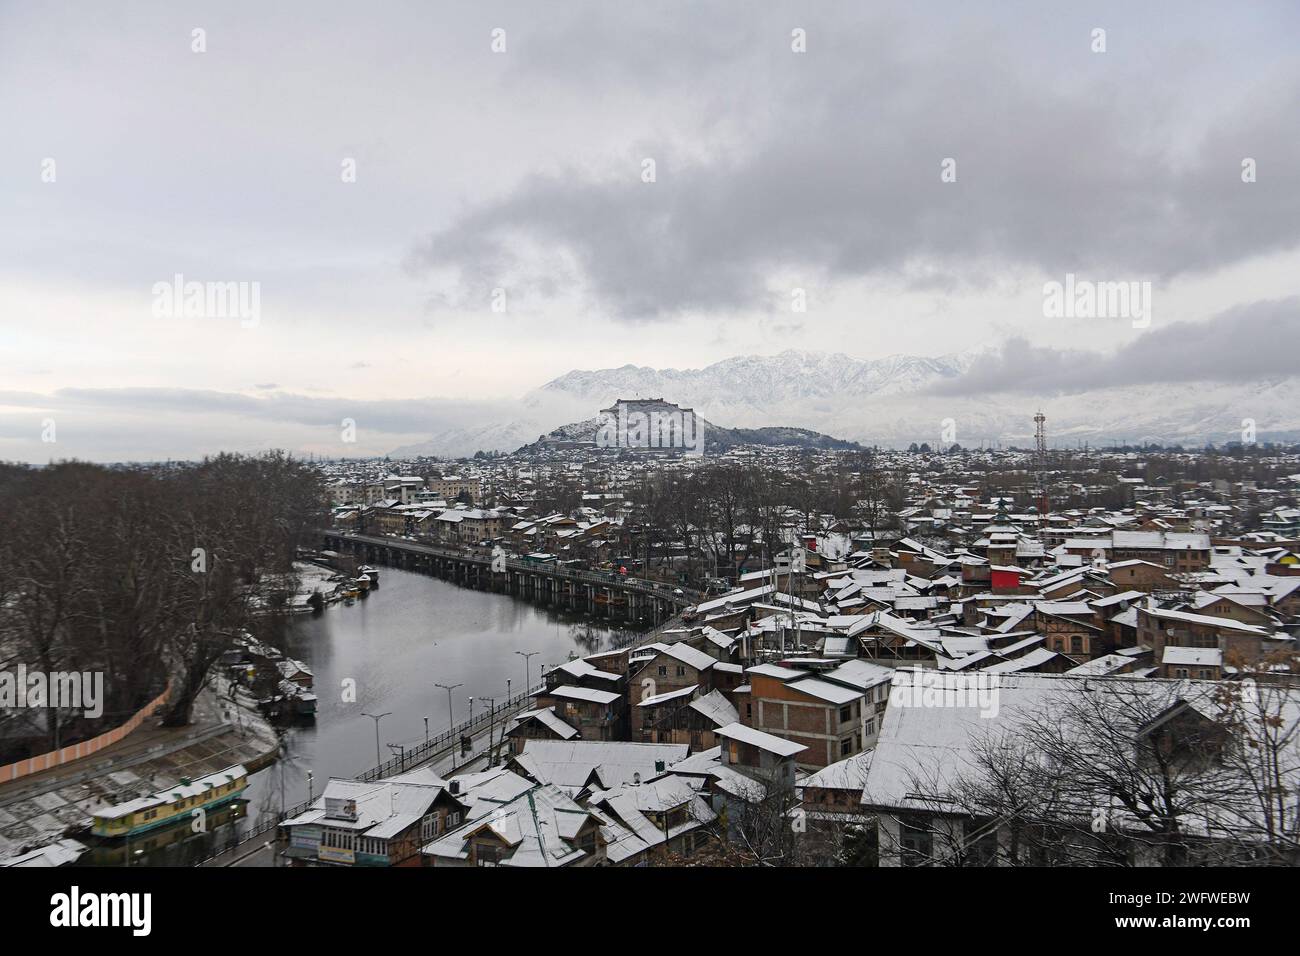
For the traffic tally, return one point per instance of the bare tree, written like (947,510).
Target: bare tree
(1120,774)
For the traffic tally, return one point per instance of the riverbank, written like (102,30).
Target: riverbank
(38,810)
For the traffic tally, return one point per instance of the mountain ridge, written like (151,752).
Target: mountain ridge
(891,402)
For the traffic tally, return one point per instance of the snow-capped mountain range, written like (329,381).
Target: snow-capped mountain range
(892,402)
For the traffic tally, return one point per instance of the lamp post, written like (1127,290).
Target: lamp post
(379,759)
(527,655)
(451,718)
(492,714)
(310,794)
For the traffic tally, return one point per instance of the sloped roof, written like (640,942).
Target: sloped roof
(847,774)
(763,741)
(573,764)
(547,717)
(715,706)
(536,825)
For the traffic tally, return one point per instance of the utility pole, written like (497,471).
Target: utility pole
(379,757)
(401,752)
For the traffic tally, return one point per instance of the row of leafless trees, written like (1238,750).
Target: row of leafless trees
(143,574)
(721,518)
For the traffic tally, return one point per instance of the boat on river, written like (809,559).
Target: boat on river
(174,805)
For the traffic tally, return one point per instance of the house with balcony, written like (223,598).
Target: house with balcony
(379,823)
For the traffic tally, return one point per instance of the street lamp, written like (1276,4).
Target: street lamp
(379,759)
(310,794)
(492,713)
(451,717)
(527,660)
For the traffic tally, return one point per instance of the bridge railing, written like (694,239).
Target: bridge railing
(419,754)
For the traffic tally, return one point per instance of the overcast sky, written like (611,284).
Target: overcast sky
(522,170)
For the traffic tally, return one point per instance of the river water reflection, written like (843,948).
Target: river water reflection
(413,633)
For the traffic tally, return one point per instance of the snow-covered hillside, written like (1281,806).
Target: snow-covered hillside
(891,401)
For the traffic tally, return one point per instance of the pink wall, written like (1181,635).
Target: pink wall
(76,751)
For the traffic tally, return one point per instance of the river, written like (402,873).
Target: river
(413,632)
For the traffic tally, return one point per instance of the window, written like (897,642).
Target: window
(681,671)
(915,843)
(846,746)
(846,714)
(663,670)
(983,850)
(1076,644)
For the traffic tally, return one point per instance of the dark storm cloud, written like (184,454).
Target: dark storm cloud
(1256,341)
(828,163)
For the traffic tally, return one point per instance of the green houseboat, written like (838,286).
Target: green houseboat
(172,805)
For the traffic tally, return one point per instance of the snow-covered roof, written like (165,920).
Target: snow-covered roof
(1193,656)
(763,741)
(847,774)
(547,717)
(715,706)
(570,692)
(572,764)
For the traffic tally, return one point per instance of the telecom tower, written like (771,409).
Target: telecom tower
(1040,464)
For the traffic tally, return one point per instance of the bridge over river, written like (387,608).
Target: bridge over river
(617,595)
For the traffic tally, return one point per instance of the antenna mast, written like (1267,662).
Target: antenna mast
(1040,455)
